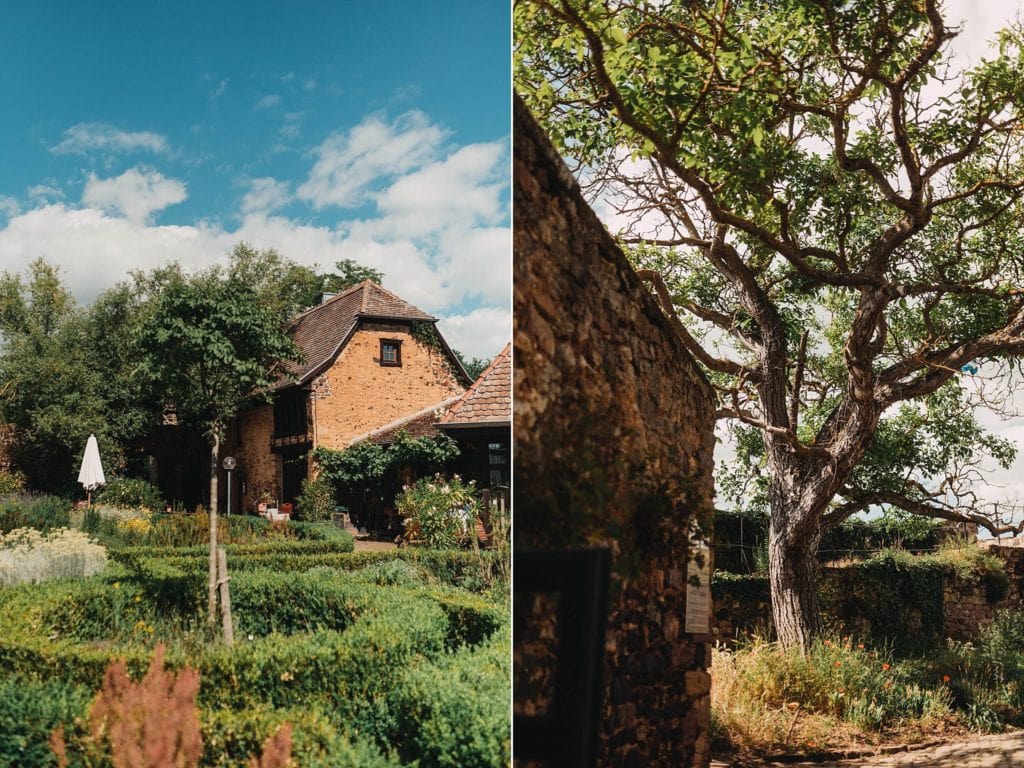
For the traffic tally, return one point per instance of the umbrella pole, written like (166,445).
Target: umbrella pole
(88,502)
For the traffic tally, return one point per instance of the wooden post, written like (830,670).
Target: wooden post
(225,597)
(212,598)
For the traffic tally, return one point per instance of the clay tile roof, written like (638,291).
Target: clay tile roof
(489,400)
(320,331)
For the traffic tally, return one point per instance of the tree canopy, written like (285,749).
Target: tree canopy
(830,209)
(212,344)
(66,372)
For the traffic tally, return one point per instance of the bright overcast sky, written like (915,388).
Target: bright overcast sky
(149,132)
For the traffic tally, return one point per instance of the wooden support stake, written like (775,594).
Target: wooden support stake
(225,597)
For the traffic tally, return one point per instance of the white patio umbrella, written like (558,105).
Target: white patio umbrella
(91,474)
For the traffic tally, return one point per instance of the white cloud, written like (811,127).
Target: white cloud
(219,90)
(44,193)
(462,189)
(265,195)
(351,165)
(482,333)
(292,126)
(136,193)
(268,101)
(94,250)
(478,263)
(9,206)
(438,232)
(84,138)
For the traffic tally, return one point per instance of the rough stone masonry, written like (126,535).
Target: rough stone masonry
(613,430)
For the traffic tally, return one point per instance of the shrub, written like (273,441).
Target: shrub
(439,513)
(154,721)
(30,711)
(11,483)
(327,532)
(28,556)
(393,573)
(131,493)
(316,501)
(29,511)
(470,690)
(230,738)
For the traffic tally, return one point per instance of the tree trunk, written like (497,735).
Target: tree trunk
(223,582)
(793,575)
(214,459)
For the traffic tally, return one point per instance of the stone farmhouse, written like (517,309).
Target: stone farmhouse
(372,364)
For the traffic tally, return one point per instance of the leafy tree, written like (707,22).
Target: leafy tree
(50,390)
(349,273)
(834,212)
(283,286)
(474,366)
(213,345)
(133,404)
(287,287)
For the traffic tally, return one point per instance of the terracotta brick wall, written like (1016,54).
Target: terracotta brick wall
(358,394)
(613,434)
(354,396)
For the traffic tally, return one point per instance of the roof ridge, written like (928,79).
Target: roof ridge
(347,292)
(380,289)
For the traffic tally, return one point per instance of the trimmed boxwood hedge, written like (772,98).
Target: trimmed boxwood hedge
(468,688)
(474,571)
(333,652)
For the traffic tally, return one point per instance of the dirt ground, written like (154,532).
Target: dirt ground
(1004,750)
(374,546)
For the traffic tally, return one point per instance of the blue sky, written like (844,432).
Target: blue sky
(146,132)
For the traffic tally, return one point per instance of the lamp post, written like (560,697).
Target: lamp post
(229,464)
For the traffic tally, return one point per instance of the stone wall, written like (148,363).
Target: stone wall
(613,434)
(908,606)
(357,394)
(970,606)
(249,442)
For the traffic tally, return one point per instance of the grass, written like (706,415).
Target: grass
(840,695)
(845,696)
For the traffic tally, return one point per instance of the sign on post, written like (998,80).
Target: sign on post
(698,587)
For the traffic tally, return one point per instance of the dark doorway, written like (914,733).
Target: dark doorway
(294,471)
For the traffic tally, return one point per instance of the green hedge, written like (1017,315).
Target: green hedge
(29,713)
(229,738)
(469,688)
(474,571)
(351,663)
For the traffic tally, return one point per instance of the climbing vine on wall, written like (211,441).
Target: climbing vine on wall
(368,463)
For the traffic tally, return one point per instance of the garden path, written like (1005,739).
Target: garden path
(1003,750)
(374,546)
